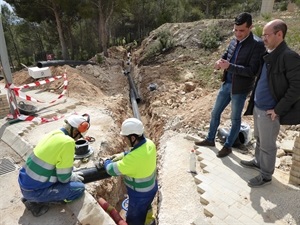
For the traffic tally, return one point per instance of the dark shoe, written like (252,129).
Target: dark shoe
(258,181)
(205,143)
(225,151)
(250,164)
(37,208)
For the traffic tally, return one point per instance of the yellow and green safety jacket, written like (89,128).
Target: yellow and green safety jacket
(51,161)
(138,168)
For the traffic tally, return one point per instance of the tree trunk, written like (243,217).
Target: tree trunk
(64,48)
(105,9)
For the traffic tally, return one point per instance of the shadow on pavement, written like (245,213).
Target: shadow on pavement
(277,201)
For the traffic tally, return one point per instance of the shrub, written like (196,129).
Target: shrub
(210,37)
(164,42)
(257,30)
(100,59)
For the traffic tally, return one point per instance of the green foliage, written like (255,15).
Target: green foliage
(194,15)
(297,2)
(31,30)
(281,5)
(266,16)
(293,35)
(257,30)
(99,59)
(210,37)
(164,42)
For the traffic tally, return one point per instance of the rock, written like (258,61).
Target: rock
(286,160)
(277,163)
(169,101)
(287,145)
(189,86)
(192,138)
(189,76)
(156,103)
(280,153)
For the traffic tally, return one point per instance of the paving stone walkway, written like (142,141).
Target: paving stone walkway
(227,198)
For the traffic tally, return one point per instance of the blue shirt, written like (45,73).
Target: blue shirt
(263,98)
(232,60)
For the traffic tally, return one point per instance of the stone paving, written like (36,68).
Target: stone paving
(227,199)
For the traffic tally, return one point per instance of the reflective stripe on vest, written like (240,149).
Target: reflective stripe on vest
(41,171)
(141,184)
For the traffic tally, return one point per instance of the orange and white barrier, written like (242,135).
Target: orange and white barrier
(19,93)
(13,90)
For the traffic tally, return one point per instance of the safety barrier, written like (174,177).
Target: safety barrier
(13,91)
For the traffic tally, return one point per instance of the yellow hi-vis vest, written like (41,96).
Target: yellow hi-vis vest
(138,167)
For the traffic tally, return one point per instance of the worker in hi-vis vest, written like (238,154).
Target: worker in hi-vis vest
(138,167)
(48,175)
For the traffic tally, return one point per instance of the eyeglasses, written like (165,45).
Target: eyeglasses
(264,36)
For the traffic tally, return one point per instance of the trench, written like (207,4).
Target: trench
(112,189)
(139,99)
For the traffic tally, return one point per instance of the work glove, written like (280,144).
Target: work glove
(100,164)
(77,176)
(106,163)
(117,157)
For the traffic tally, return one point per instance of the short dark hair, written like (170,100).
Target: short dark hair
(243,18)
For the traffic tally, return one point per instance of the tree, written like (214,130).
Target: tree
(8,17)
(105,10)
(52,10)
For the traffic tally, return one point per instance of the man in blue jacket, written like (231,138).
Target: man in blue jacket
(240,64)
(275,100)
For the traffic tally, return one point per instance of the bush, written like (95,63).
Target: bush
(210,38)
(266,16)
(281,6)
(163,43)
(257,30)
(100,59)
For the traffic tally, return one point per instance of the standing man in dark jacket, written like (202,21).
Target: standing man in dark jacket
(275,100)
(240,64)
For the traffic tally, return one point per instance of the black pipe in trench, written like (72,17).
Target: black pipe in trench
(132,86)
(134,105)
(41,64)
(93,174)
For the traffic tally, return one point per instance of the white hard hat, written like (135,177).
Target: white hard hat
(132,126)
(78,122)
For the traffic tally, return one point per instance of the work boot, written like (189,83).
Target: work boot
(225,151)
(36,208)
(205,143)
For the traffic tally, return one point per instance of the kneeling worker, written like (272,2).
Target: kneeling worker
(48,173)
(138,166)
